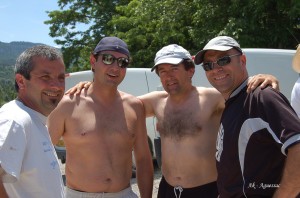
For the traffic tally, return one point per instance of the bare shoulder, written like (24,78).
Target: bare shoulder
(152,101)
(208,91)
(70,101)
(213,97)
(154,96)
(129,98)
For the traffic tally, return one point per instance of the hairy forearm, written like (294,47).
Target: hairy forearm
(290,183)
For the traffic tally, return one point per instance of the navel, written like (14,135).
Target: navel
(108,180)
(178,178)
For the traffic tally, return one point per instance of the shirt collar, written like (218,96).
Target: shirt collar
(239,88)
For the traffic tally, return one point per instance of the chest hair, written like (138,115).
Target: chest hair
(179,123)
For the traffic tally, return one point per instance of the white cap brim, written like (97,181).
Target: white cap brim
(173,61)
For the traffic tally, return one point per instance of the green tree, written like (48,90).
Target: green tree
(7,90)
(65,24)
(147,25)
(255,23)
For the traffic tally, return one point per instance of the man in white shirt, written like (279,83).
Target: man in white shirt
(28,163)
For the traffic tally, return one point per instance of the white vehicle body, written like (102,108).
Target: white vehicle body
(139,81)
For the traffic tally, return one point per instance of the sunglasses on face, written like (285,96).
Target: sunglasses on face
(109,59)
(207,66)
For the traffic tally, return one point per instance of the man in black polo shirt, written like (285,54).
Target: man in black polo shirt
(258,150)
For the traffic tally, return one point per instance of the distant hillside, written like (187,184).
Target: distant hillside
(10,51)
(7,91)
(8,55)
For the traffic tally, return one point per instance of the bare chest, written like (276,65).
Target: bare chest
(178,122)
(98,122)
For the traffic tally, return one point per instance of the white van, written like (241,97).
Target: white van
(138,81)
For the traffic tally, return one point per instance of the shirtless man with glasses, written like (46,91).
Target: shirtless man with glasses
(101,127)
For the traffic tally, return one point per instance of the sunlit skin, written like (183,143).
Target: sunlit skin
(100,128)
(46,85)
(187,134)
(226,78)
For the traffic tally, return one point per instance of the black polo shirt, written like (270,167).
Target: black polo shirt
(256,130)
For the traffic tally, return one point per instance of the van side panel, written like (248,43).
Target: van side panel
(276,62)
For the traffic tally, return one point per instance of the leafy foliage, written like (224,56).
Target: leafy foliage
(151,24)
(254,23)
(7,91)
(148,25)
(77,44)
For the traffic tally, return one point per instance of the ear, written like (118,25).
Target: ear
(243,60)
(191,72)
(92,61)
(20,81)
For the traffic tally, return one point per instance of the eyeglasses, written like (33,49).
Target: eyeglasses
(109,59)
(221,62)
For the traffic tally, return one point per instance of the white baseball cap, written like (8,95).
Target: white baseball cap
(171,54)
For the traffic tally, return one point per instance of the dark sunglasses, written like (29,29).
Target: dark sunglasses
(207,66)
(109,59)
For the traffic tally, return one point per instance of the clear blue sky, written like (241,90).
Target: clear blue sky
(23,20)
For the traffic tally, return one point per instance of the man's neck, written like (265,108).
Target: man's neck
(182,96)
(105,94)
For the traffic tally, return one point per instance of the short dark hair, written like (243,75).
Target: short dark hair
(187,63)
(25,62)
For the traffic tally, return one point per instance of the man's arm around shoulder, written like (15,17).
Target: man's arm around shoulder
(150,100)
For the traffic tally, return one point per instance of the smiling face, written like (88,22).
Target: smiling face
(228,77)
(108,74)
(45,87)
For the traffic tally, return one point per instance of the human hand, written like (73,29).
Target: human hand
(77,88)
(262,80)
